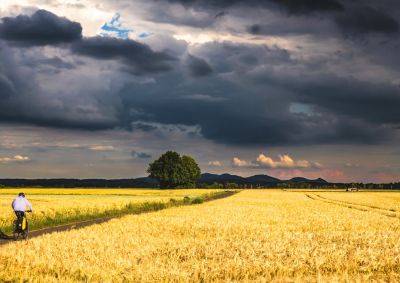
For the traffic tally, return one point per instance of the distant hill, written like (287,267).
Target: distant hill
(305,180)
(262,179)
(256,180)
(208,178)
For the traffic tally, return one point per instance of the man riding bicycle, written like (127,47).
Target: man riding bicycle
(19,206)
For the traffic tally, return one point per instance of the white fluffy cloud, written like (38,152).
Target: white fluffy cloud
(215,163)
(237,162)
(284,162)
(15,158)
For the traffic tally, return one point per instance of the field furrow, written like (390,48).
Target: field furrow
(353,205)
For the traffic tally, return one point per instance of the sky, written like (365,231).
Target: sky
(100,88)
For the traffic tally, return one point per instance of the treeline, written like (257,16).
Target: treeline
(362,186)
(303,185)
(147,182)
(80,183)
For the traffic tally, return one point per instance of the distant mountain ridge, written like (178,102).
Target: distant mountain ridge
(146,182)
(256,180)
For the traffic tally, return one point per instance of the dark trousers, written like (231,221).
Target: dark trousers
(20,215)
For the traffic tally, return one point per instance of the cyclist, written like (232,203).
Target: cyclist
(19,206)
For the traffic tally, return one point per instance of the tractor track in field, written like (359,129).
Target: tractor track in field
(360,207)
(317,198)
(5,239)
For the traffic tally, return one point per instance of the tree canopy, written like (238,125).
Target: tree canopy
(173,170)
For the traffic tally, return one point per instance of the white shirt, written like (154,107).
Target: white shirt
(20,204)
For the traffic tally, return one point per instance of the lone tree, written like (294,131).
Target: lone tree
(173,170)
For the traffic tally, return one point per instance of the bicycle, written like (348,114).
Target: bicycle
(21,227)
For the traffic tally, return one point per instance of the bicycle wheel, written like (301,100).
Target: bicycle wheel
(25,232)
(15,230)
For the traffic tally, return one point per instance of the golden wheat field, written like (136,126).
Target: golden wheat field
(251,236)
(57,206)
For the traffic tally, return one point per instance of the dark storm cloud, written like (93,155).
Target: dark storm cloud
(246,101)
(51,120)
(6,88)
(351,18)
(256,29)
(364,19)
(357,19)
(218,9)
(243,115)
(233,113)
(292,6)
(198,67)
(322,28)
(46,28)
(372,102)
(137,57)
(220,15)
(244,120)
(348,99)
(42,28)
(224,123)
(141,126)
(24,101)
(306,6)
(11,81)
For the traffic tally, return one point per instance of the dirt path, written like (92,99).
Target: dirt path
(65,227)
(82,224)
